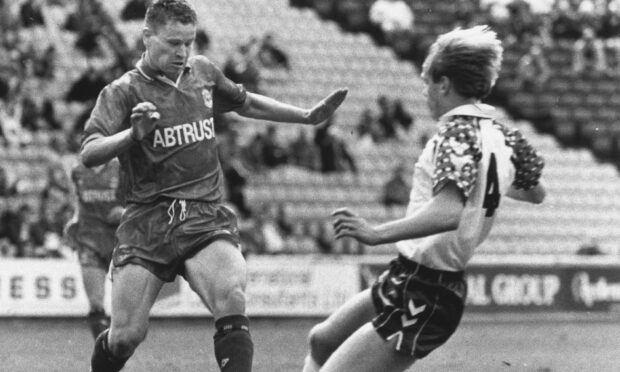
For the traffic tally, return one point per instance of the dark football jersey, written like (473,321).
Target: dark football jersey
(98,191)
(178,159)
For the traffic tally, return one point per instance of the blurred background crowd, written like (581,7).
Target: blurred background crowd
(56,55)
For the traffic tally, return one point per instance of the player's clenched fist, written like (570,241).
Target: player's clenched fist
(143,115)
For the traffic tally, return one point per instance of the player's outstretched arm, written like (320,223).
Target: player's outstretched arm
(440,214)
(262,107)
(535,195)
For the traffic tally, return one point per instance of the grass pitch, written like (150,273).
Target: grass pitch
(186,345)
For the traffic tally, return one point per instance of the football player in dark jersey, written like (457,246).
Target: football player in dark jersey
(92,232)
(158,120)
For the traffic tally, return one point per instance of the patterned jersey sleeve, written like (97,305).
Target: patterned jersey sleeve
(527,161)
(457,154)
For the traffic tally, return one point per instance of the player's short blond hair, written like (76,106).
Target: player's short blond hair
(471,58)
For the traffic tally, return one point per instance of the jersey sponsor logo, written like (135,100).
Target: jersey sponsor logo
(183,134)
(207,98)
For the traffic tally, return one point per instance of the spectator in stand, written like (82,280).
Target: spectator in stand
(235,173)
(523,24)
(394,17)
(57,190)
(274,154)
(31,14)
(21,229)
(352,15)
(241,67)
(7,250)
(567,21)
(589,52)
(396,190)
(271,55)
(401,116)
(274,241)
(48,230)
(386,117)
(44,65)
(202,41)
(87,87)
(7,185)
(465,12)
(13,134)
(283,220)
(324,239)
(610,30)
(541,8)
(134,10)
(334,154)
(590,247)
(29,114)
(48,115)
(252,153)
(88,42)
(303,152)
(368,130)
(533,71)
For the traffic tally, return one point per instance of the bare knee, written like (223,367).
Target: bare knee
(321,344)
(124,341)
(229,299)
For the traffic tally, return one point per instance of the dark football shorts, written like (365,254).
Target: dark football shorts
(161,235)
(417,306)
(94,243)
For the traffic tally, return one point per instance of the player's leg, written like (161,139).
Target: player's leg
(328,335)
(134,290)
(95,246)
(94,284)
(218,275)
(366,351)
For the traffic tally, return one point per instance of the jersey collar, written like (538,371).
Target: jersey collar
(151,74)
(480,110)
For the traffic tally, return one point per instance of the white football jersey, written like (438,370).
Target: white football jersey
(483,158)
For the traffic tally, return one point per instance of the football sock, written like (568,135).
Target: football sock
(102,359)
(98,322)
(310,365)
(233,345)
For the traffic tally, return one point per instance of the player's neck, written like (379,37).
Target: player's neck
(150,69)
(457,101)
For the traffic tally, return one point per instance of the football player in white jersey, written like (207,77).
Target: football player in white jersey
(459,183)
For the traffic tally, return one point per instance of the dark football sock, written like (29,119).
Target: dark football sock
(233,345)
(102,359)
(98,322)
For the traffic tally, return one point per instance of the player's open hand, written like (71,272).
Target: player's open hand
(324,109)
(347,223)
(143,115)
